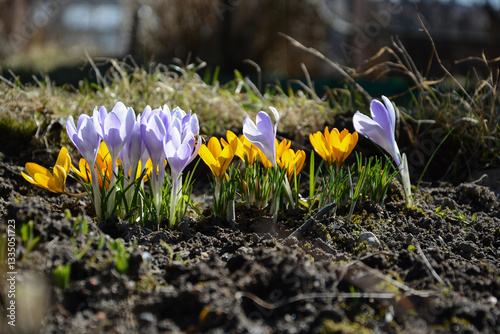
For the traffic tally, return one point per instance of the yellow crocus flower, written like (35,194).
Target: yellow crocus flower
(334,147)
(103,163)
(282,147)
(242,147)
(43,178)
(291,160)
(217,158)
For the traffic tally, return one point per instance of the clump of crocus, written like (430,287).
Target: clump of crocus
(381,130)
(334,147)
(218,160)
(253,185)
(54,181)
(262,134)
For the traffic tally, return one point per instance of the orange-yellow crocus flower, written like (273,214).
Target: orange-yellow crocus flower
(281,147)
(292,161)
(242,147)
(102,163)
(334,147)
(217,158)
(55,181)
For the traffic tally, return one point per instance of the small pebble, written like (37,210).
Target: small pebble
(371,239)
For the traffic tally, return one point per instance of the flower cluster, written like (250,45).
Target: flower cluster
(120,152)
(125,158)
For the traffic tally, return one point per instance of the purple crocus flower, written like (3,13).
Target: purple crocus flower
(87,141)
(179,152)
(115,127)
(84,137)
(153,134)
(380,128)
(134,151)
(262,133)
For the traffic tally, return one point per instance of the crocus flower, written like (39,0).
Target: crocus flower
(153,134)
(134,154)
(292,161)
(84,137)
(55,181)
(179,154)
(262,133)
(281,147)
(87,140)
(115,127)
(334,146)
(216,158)
(380,128)
(102,167)
(242,148)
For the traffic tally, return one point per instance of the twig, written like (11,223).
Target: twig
(308,222)
(339,69)
(428,265)
(258,69)
(442,66)
(309,82)
(345,295)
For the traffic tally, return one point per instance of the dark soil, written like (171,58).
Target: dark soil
(433,268)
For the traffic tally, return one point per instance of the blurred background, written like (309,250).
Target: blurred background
(54,36)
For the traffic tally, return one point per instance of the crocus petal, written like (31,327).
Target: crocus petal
(383,117)
(64,160)
(99,115)
(28,178)
(33,168)
(214,147)
(392,113)
(153,134)
(44,181)
(59,179)
(178,159)
(209,159)
(120,110)
(70,127)
(225,158)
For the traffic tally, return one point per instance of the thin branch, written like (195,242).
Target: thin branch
(442,66)
(336,66)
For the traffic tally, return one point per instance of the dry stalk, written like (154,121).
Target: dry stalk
(367,97)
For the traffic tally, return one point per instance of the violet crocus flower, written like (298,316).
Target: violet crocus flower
(153,134)
(86,139)
(180,150)
(132,151)
(115,127)
(262,133)
(380,128)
